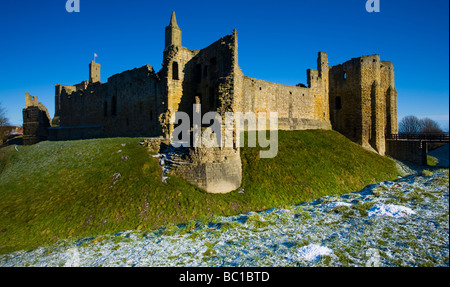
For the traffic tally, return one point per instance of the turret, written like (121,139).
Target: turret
(94,72)
(322,65)
(173,33)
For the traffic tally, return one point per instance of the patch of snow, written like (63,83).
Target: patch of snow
(74,258)
(116,176)
(332,205)
(391,210)
(313,252)
(374,258)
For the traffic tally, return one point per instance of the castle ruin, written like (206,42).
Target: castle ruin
(357,98)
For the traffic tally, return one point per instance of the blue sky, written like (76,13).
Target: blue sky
(42,44)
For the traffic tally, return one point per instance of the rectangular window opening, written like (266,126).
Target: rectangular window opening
(114,106)
(105,108)
(338,103)
(175,75)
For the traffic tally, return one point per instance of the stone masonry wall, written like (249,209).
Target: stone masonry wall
(412,151)
(298,107)
(36,120)
(213,169)
(363,101)
(128,105)
(345,100)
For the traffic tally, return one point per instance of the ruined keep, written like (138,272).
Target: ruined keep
(363,101)
(357,98)
(36,121)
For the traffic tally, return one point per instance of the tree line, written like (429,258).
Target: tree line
(414,125)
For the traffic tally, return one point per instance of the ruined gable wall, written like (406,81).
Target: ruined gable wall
(373,104)
(133,100)
(388,86)
(36,120)
(345,100)
(215,88)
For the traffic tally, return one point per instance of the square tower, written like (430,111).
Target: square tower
(94,72)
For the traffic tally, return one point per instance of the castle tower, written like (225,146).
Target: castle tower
(173,33)
(36,121)
(94,72)
(322,66)
(324,71)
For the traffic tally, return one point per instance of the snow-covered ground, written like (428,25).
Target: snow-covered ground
(401,223)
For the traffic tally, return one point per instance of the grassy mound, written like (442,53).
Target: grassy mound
(57,190)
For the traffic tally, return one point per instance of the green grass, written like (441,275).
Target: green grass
(58,190)
(432,161)
(311,164)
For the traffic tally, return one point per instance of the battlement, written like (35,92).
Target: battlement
(30,100)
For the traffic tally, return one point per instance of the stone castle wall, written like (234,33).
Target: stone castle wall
(36,121)
(357,98)
(298,108)
(128,105)
(411,151)
(213,169)
(363,101)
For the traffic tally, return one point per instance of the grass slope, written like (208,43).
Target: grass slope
(57,190)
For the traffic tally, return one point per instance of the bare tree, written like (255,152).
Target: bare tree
(410,125)
(428,126)
(3,118)
(3,122)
